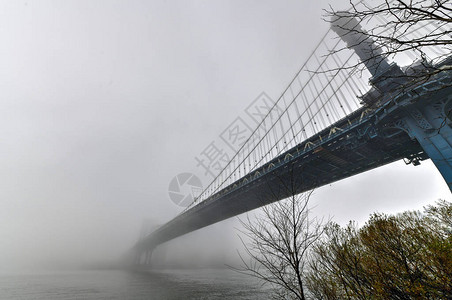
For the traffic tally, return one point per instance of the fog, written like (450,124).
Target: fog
(104,102)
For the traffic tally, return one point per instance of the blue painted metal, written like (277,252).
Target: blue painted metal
(423,112)
(413,124)
(428,125)
(365,141)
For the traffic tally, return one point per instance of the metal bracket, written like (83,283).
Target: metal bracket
(334,130)
(415,159)
(400,125)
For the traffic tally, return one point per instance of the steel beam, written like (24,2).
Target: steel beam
(430,127)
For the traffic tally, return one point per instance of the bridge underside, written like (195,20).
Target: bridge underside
(337,159)
(360,142)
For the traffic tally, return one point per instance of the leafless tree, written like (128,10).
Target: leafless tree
(401,17)
(277,243)
(418,28)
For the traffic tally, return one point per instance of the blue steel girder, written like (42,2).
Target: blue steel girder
(312,165)
(424,114)
(412,124)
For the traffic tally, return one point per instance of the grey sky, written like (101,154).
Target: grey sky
(103,102)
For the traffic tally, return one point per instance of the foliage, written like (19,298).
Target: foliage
(407,256)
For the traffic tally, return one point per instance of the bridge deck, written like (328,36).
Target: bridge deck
(352,150)
(363,140)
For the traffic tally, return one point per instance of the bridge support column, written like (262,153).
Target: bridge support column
(430,126)
(137,258)
(148,257)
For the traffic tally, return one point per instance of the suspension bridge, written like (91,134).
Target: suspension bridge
(348,109)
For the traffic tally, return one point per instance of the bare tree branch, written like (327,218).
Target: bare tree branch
(278,241)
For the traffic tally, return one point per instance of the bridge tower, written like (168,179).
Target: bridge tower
(141,257)
(423,111)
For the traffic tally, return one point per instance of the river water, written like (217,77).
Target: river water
(110,284)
